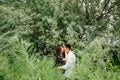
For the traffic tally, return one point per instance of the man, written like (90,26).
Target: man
(70,62)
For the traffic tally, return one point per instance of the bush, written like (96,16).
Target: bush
(20,66)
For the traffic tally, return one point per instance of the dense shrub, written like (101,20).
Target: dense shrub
(30,30)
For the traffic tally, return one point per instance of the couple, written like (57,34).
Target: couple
(68,62)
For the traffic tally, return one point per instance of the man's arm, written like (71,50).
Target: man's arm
(60,67)
(64,66)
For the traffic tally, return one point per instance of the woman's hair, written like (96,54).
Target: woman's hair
(58,49)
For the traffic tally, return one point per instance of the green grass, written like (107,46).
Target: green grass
(32,68)
(28,69)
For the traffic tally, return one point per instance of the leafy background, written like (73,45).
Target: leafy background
(30,30)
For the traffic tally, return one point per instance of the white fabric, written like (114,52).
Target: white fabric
(70,64)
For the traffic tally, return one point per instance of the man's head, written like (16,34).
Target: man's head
(67,48)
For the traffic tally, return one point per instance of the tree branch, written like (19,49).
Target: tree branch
(102,14)
(87,14)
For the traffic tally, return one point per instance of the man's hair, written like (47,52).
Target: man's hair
(68,46)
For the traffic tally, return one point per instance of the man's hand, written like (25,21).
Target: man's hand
(64,59)
(60,67)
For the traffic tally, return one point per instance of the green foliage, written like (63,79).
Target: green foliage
(19,65)
(35,27)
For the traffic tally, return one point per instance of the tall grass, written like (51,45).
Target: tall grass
(18,65)
(20,68)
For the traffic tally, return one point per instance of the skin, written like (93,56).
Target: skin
(62,50)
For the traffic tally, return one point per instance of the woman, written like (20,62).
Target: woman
(59,56)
